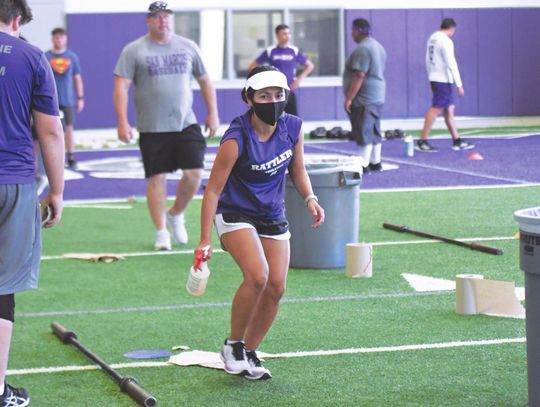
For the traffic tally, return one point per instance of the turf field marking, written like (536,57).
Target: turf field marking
(349,351)
(433,167)
(423,346)
(136,254)
(97,206)
(188,251)
(225,304)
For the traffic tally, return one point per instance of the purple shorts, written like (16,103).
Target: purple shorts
(442,95)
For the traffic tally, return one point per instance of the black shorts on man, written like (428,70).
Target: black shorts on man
(170,151)
(366,124)
(68,115)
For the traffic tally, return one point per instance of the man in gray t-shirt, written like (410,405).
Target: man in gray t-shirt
(364,88)
(161,65)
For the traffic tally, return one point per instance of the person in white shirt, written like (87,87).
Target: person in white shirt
(443,72)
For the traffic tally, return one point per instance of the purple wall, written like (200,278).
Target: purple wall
(497,51)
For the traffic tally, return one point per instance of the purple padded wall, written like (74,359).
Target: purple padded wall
(420,25)
(496,50)
(494,63)
(526,61)
(390,29)
(98,40)
(466,50)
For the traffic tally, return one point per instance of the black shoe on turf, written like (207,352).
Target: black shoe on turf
(257,371)
(72,164)
(423,145)
(13,397)
(375,167)
(234,358)
(460,144)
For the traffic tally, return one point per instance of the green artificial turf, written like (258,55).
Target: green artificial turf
(321,310)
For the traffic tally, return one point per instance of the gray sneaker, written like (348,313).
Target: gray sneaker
(13,397)
(178,227)
(460,144)
(257,371)
(234,357)
(424,146)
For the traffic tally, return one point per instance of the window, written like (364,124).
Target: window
(187,24)
(231,40)
(316,32)
(253,31)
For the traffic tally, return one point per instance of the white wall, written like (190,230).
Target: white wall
(48,14)
(96,6)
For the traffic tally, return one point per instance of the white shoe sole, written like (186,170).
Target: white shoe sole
(265,376)
(233,372)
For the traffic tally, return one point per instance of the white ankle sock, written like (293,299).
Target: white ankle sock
(376,154)
(2,388)
(365,152)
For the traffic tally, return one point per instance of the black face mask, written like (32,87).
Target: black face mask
(269,112)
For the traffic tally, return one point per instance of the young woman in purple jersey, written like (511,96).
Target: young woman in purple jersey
(245,199)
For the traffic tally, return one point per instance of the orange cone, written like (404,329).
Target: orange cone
(475,157)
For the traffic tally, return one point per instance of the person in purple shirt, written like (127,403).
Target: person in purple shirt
(286,57)
(245,197)
(27,90)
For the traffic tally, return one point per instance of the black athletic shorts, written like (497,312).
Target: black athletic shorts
(274,229)
(170,151)
(366,124)
(69,115)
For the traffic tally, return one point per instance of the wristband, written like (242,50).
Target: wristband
(310,197)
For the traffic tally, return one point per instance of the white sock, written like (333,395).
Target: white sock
(365,152)
(229,342)
(2,388)
(376,154)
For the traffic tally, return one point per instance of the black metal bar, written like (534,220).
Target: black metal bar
(472,246)
(127,384)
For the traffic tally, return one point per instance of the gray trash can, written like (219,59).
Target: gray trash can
(336,182)
(529,261)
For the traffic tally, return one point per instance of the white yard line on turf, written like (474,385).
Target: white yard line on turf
(454,171)
(153,308)
(190,252)
(97,206)
(349,351)
(136,254)
(433,167)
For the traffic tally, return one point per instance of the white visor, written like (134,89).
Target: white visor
(267,79)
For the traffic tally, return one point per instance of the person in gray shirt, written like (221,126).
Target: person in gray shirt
(161,65)
(364,88)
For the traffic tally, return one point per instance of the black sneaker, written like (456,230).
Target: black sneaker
(365,170)
(375,167)
(13,397)
(423,145)
(71,164)
(460,144)
(257,371)
(234,358)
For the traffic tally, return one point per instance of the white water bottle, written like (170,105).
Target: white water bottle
(198,273)
(408,145)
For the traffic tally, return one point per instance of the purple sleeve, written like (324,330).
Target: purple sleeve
(301,58)
(234,132)
(263,58)
(44,96)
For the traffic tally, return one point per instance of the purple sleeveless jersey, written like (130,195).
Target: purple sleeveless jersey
(256,185)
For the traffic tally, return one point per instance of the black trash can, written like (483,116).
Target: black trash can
(336,182)
(529,261)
